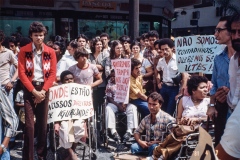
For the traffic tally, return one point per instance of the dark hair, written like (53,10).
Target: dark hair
(61,46)
(49,44)
(112,50)
(193,83)
(83,37)
(94,42)
(166,41)
(135,43)
(228,20)
(234,18)
(24,41)
(80,51)
(134,62)
(73,44)
(157,42)
(156,96)
(13,40)
(124,38)
(104,35)
(2,36)
(64,73)
(37,27)
(144,36)
(152,33)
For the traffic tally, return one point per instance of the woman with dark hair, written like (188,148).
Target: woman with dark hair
(98,57)
(126,42)
(59,47)
(116,52)
(146,67)
(194,107)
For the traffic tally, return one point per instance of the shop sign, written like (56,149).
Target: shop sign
(45,3)
(26,13)
(102,5)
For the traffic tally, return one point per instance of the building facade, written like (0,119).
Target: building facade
(69,18)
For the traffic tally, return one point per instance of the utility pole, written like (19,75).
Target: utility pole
(133,19)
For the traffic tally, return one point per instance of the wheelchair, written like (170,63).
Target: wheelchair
(90,144)
(121,127)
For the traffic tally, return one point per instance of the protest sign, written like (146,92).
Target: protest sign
(197,53)
(70,101)
(204,149)
(122,69)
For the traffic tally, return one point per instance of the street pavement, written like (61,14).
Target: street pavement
(102,153)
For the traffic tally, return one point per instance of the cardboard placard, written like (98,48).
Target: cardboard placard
(70,101)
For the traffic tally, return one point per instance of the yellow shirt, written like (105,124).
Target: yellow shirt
(136,87)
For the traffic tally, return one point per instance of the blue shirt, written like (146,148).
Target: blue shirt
(220,76)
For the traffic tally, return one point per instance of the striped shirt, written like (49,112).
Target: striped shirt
(162,119)
(8,116)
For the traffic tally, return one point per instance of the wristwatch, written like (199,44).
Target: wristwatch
(211,105)
(3,148)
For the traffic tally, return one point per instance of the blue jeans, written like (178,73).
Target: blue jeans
(142,107)
(169,93)
(5,155)
(137,149)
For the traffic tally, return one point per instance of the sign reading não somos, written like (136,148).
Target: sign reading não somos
(197,53)
(70,101)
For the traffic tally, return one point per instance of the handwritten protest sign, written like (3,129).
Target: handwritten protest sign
(204,149)
(122,69)
(197,53)
(70,101)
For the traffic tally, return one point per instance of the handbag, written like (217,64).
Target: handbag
(172,143)
(177,78)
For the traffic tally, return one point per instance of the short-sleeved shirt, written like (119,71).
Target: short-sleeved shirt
(100,60)
(145,64)
(169,70)
(84,76)
(7,58)
(136,87)
(65,62)
(158,128)
(191,111)
(19,97)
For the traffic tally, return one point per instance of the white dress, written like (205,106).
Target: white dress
(191,111)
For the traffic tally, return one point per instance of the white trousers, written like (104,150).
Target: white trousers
(78,132)
(131,112)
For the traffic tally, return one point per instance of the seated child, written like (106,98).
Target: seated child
(63,128)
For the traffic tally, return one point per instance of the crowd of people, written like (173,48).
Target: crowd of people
(29,67)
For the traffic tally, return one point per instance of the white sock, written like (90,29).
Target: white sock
(129,130)
(113,130)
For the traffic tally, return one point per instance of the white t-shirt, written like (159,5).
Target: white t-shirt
(230,140)
(169,70)
(65,62)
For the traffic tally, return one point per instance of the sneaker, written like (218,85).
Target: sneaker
(116,136)
(127,136)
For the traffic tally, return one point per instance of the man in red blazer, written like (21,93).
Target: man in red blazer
(37,71)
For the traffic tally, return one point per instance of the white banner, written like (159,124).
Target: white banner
(122,69)
(70,101)
(197,53)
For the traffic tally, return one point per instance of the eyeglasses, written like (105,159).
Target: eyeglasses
(234,31)
(219,29)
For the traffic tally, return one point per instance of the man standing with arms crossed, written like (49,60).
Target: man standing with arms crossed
(37,71)
(220,78)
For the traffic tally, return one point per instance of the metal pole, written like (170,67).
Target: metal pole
(133,19)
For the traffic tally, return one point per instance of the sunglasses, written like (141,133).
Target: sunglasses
(234,31)
(219,29)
